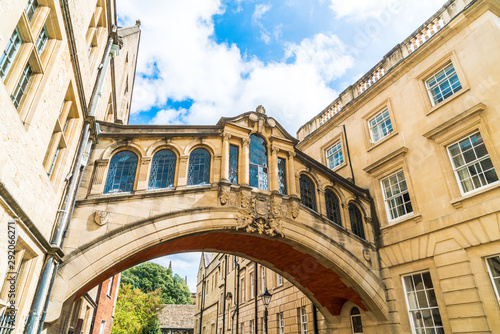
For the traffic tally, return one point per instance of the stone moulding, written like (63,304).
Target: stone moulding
(259,212)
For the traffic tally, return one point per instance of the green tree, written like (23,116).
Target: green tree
(151,276)
(135,311)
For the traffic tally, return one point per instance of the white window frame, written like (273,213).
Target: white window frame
(110,286)
(352,316)
(242,288)
(279,280)
(378,126)
(408,306)
(252,285)
(103,327)
(263,278)
(493,278)
(335,152)
(394,196)
(22,85)
(252,326)
(303,320)
(242,327)
(467,164)
(437,83)
(281,323)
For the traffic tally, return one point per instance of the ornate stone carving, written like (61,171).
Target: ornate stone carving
(259,212)
(224,191)
(101,217)
(294,207)
(260,110)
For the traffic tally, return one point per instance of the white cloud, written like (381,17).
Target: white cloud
(259,11)
(177,43)
(382,9)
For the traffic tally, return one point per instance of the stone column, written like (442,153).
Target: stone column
(320,201)
(225,157)
(142,179)
(273,170)
(99,180)
(245,173)
(292,189)
(183,170)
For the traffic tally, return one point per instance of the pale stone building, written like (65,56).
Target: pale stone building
(421,131)
(63,65)
(229,299)
(384,213)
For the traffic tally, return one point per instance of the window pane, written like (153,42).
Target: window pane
(332,207)
(233,164)
(443,84)
(282,175)
(121,172)
(162,170)
(258,163)
(307,192)
(199,167)
(356,221)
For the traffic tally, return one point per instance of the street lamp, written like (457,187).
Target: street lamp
(266,299)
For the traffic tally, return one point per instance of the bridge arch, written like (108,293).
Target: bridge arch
(327,270)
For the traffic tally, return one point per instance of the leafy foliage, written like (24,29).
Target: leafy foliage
(151,276)
(136,311)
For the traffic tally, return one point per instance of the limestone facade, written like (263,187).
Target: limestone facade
(51,53)
(452,231)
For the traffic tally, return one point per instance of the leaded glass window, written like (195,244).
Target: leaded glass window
(162,170)
(41,42)
(258,163)
(233,163)
(307,192)
(472,163)
(199,167)
(30,9)
(21,86)
(121,172)
(357,325)
(356,219)
(9,53)
(422,304)
(282,175)
(332,207)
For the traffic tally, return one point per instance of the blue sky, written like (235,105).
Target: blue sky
(200,60)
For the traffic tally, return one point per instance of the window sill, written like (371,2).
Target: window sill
(342,165)
(380,141)
(417,217)
(445,101)
(457,202)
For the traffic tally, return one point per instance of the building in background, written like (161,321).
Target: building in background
(176,319)
(229,299)
(63,65)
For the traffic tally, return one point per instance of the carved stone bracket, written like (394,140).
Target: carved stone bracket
(101,217)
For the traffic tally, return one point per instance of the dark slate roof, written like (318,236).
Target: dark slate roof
(176,316)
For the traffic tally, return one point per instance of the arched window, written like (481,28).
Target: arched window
(162,170)
(307,192)
(258,163)
(356,219)
(121,172)
(357,325)
(199,167)
(332,207)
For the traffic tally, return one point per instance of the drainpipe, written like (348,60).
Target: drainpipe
(348,153)
(315,319)
(202,301)
(44,288)
(256,280)
(237,294)
(224,297)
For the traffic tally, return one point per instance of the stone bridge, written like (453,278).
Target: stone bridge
(239,187)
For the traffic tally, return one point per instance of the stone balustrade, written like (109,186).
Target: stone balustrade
(424,33)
